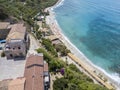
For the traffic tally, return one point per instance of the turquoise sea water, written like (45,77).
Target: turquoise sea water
(93,26)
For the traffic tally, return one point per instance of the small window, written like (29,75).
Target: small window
(19,48)
(11,55)
(7,47)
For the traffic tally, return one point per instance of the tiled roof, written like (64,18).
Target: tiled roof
(45,67)
(34,73)
(4,84)
(17,84)
(17,32)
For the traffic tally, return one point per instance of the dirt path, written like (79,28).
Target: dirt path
(34,44)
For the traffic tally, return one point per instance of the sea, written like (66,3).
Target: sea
(93,26)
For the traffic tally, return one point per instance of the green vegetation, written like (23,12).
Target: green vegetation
(48,45)
(38,33)
(23,9)
(62,49)
(53,49)
(47,3)
(75,80)
(2,54)
(54,63)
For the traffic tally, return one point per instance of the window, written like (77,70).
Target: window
(7,47)
(11,55)
(19,47)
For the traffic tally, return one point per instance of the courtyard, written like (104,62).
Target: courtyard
(11,69)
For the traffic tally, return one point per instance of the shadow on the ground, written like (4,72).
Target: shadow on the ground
(19,58)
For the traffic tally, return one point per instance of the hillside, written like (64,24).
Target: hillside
(23,9)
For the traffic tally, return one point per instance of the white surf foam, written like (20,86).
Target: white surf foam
(58,4)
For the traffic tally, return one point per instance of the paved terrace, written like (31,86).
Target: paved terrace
(10,69)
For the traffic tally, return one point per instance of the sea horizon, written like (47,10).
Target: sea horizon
(69,25)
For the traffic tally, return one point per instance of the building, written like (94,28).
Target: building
(4,84)
(36,73)
(4,30)
(56,41)
(40,18)
(17,42)
(17,84)
(36,76)
(12,84)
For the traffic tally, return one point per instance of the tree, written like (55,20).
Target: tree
(62,49)
(54,63)
(48,45)
(60,84)
(72,86)
(38,34)
(73,67)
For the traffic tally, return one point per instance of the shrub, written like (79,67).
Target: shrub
(60,84)
(48,45)
(54,63)
(62,49)
(2,54)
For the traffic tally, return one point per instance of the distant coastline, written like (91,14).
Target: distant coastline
(51,21)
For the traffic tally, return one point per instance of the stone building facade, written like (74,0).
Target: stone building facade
(17,42)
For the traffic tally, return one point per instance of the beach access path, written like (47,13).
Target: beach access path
(34,44)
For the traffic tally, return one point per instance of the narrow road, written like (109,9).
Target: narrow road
(34,44)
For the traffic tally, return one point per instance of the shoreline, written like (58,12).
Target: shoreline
(51,21)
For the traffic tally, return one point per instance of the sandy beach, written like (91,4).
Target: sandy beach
(51,21)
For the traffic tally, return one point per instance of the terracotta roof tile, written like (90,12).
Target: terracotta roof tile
(17,84)
(46,67)
(34,73)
